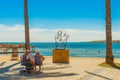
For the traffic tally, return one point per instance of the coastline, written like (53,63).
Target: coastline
(80,49)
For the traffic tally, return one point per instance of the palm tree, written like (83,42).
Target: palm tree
(109,55)
(27,40)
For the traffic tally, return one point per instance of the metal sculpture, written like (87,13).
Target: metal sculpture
(61,39)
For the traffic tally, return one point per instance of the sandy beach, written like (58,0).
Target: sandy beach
(77,69)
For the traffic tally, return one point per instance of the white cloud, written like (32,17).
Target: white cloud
(11,33)
(16,33)
(37,30)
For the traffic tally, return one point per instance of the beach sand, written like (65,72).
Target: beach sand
(77,69)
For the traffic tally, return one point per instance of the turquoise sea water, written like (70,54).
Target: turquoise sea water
(77,49)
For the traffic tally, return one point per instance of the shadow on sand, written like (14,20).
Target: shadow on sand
(98,75)
(116,67)
(20,75)
(1,64)
(54,68)
(25,76)
(6,69)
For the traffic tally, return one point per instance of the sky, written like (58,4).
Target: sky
(83,20)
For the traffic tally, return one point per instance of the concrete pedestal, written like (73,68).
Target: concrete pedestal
(60,56)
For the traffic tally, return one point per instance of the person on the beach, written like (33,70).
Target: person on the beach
(99,51)
(31,57)
(38,60)
(28,61)
(27,56)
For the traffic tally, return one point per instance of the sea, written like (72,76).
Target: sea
(76,49)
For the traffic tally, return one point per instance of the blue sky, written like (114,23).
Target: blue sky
(83,15)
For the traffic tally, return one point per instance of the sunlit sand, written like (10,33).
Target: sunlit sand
(77,69)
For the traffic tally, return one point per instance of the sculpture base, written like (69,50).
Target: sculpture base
(60,56)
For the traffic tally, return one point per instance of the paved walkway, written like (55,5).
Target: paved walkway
(77,69)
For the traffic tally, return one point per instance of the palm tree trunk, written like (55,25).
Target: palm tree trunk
(27,40)
(109,55)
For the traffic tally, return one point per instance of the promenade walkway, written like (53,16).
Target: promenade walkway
(77,69)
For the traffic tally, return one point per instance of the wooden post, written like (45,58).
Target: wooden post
(14,53)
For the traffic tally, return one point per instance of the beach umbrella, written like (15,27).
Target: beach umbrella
(109,56)
(27,40)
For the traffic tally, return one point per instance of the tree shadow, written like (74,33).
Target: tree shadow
(116,67)
(98,75)
(2,63)
(46,74)
(21,68)
(24,76)
(21,75)
(6,69)
(54,68)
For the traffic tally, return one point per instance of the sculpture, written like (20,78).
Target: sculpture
(61,39)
